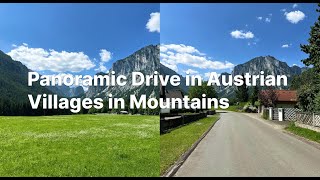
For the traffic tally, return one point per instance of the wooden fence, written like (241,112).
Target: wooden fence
(290,114)
(169,122)
(295,114)
(312,119)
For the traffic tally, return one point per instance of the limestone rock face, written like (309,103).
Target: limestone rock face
(146,60)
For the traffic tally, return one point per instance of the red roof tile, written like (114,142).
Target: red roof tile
(286,95)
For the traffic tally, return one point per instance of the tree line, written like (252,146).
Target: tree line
(308,83)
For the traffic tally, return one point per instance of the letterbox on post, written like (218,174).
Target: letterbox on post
(280,113)
(270,113)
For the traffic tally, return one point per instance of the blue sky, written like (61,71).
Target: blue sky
(68,38)
(198,38)
(230,33)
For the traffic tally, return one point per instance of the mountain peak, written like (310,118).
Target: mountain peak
(268,64)
(225,73)
(270,57)
(145,60)
(267,58)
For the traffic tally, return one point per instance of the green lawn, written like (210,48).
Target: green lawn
(178,141)
(306,133)
(79,145)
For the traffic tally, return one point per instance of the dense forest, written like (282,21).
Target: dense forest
(14,90)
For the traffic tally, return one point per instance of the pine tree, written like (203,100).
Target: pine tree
(198,91)
(313,48)
(255,94)
(242,92)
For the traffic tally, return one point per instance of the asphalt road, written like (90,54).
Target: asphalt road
(239,145)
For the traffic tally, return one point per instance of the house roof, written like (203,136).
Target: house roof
(175,93)
(284,95)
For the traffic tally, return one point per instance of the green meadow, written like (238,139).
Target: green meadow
(176,142)
(79,145)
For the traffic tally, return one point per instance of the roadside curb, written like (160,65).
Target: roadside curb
(171,171)
(303,139)
(283,130)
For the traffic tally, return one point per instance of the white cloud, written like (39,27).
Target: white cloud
(294,16)
(171,66)
(105,55)
(39,59)
(294,5)
(101,68)
(283,10)
(240,34)
(172,55)
(268,20)
(207,74)
(191,71)
(252,43)
(286,45)
(180,48)
(153,24)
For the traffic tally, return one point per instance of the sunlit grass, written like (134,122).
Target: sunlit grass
(306,133)
(79,145)
(178,141)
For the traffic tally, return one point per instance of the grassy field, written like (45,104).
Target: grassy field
(306,133)
(178,141)
(79,145)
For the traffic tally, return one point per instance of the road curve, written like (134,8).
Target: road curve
(239,145)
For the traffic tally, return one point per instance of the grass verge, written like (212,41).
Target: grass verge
(79,145)
(178,141)
(303,132)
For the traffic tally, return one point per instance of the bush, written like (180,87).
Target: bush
(265,114)
(249,108)
(257,103)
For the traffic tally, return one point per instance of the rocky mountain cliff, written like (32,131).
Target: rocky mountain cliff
(269,64)
(66,91)
(167,71)
(146,60)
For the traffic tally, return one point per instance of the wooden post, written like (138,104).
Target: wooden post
(313,122)
(270,113)
(280,114)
